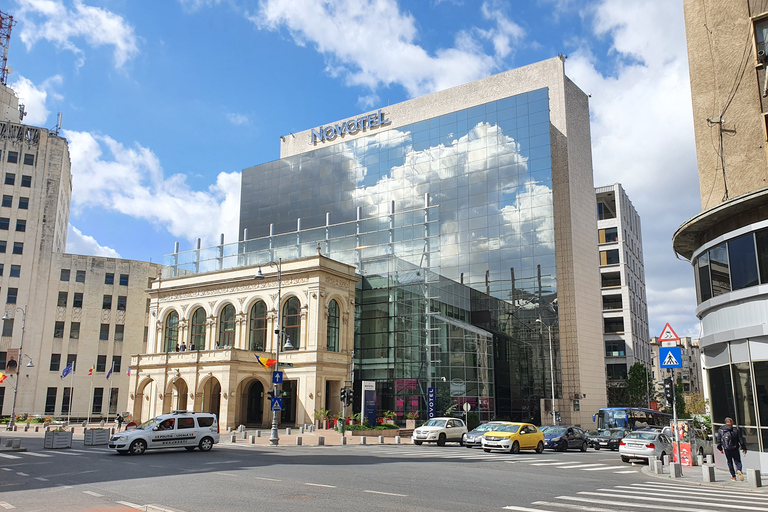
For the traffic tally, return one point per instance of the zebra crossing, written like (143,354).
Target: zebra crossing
(653,495)
(32,455)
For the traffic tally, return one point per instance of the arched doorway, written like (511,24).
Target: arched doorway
(143,404)
(255,403)
(211,399)
(178,392)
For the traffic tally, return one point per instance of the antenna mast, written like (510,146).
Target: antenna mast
(6,23)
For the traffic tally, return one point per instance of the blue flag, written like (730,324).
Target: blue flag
(109,373)
(67,370)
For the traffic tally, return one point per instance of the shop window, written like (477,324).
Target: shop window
(744,399)
(722,401)
(258,326)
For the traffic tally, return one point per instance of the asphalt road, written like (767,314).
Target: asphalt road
(338,478)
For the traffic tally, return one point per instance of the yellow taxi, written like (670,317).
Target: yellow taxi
(513,437)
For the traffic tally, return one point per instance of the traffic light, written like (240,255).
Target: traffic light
(343,395)
(669,390)
(271,394)
(349,396)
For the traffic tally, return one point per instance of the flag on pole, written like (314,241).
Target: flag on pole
(67,370)
(109,373)
(3,376)
(90,370)
(265,361)
(128,372)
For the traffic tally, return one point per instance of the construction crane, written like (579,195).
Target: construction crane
(6,24)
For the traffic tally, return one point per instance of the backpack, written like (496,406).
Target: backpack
(730,440)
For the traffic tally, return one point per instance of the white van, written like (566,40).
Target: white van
(179,428)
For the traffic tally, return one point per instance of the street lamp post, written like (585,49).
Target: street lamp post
(274,438)
(551,368)
(12,422)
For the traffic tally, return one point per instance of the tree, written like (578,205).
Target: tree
(680,400)
(639,386)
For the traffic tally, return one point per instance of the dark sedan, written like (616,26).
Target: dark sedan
(609,438)
(475,437)
(562,438)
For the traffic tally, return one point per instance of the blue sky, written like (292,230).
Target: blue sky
(165,102)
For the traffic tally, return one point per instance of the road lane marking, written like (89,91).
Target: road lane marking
(91,493)
(525,509)
(6,505)
(225,474)
(22,474)
(551,463)
(713,495)
(41,479)
(387,493)
(132,505)
(687,490)
(572,506)
(614,504)
(600,469)
(625,472)
(580,466)
(35,454)
(670,500)
(320,485)
(9,456)
(268,479)
(6,469)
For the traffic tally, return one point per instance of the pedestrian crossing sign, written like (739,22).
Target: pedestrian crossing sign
(671,357)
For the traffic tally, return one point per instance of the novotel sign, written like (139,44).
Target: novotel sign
(351,127)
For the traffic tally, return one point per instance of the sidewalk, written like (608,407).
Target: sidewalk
(694,476)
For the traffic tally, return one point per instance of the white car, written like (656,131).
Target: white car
(440,430)
(645,445)
(175,430)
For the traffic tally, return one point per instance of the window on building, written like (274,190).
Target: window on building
(50,400)
(2,268)
(58,330)
(5,223)
(104,332)
(2,397)
(608,235)
(258,326)
(122,300)
(615,348)
(123,279)
(743,262)
(10,178)
(72,360)
(26,181)
(62,302)
(55,362)
(21,225)
(13,157)
(116,360)
(171,339)
(3,246)
(119,332)
(333,326)
(66,400)
(292,322)
(77,300)
(612,302)
(29,159)
(616,371)
(23,203)
(718,268)
(106,302)
(7,201)
(15,271)
(197,330)
(80,276)
(109,278)
(12,296)
(98,398)
(3,358)
(101,363)
(8,327)
(613,325)
(64,275)
(227,326)
(761,37)
(74,330)
(18,247)
(113,394)
(609,257)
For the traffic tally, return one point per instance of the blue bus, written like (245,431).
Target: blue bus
(630,418)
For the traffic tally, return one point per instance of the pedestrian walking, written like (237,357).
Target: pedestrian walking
(729,441)
(119,422)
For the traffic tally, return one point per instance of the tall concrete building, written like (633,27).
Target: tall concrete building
(469,217)
(727,243)
(60,308)
(622,284)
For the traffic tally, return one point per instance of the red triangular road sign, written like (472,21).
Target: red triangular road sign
(668,334)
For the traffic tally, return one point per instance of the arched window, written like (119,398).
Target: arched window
(197,330)
(227,326)
(292,322)
(171,331)
(258,326)
(333,326)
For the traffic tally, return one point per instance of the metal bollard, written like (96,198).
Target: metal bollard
(37,428)
(344,441)
(676,470)
(753,477)
(658,467)
(287,431)
(710,459)
(362,440)
(699,460)
(381,439)
(397,439)
(320,441)
(708,473)
(298,441)
(258,433)
(665,460)
(252,439)
(233,438)
(301,430)
(244,434)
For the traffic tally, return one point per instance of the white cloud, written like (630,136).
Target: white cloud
(194,5)
(78,243)
(108,175)
(237,119)
(35,98)
(392,56)
(51,20)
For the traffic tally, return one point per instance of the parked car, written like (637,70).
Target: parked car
(513,437)
(562,438)
(475,437)
(701,443)
(440,431)
(178,429)
(609,438)
(592,435)
(644,445)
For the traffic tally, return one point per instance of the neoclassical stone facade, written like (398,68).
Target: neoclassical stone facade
(224,319)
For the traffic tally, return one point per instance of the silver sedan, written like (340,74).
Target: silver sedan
(645,445)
